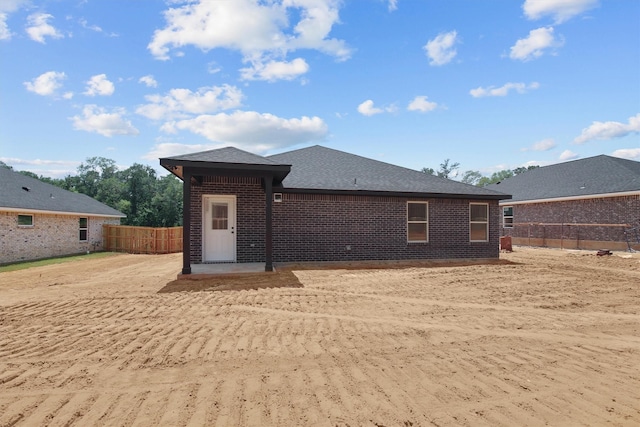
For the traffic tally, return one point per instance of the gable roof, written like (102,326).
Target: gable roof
(19,192)
(599,175)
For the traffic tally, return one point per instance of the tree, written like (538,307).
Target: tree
(6,166)
(471,177)
(428,171)
(495,177)
(521,169)
(140,187)
(445,171)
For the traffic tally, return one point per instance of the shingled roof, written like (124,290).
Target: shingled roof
(599,175)
(324,169)
(19,192)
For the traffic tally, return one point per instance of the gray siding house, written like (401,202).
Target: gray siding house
(591,203)
(321,204)
(40,220)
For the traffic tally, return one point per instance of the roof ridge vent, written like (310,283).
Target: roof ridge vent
(26,188)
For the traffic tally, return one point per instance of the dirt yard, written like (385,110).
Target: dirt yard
(552,338)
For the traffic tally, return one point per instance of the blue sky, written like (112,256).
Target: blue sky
(491,84)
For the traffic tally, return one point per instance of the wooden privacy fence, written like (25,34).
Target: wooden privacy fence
(141,240)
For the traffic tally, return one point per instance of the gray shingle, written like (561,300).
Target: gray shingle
(594,175)
(321,168)
(225,155)
(18,191)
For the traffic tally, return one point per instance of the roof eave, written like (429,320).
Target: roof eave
(392,193)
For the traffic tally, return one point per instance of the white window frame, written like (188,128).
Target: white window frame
(25,225)
(425,221)
(479,222)
(505,217)
(81,229)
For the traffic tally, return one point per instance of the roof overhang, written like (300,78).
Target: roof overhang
(391,193)
(49,212)
(198,168)
(571,198)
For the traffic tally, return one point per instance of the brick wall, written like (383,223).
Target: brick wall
(531,220)
(250,214)
(50,236)
(345,228)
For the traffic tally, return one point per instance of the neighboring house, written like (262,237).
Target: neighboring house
(40,220)
(320,204)
(592,203)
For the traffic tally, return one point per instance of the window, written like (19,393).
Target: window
(84,229)
(25,220)
(417,222)
(479,222)
(507,217)
(220,217)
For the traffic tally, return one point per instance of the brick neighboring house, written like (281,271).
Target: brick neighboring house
(40,220)
(591,203)
(320,204)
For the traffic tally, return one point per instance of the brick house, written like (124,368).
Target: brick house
(591,203)
(40,220)
(320,204)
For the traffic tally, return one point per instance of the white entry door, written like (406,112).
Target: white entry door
(219,228)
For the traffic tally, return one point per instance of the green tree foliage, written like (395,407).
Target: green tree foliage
(474,177)
(446,169)
(146,199)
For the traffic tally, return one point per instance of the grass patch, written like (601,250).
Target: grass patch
(51,261)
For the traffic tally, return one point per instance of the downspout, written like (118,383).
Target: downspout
(186,222)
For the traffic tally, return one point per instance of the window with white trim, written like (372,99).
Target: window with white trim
(478,222)
(84,229)
(417,222)
(507,216)
(25,220)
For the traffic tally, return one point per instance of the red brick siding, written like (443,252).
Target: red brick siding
(320,227)
(250,214)
(609,210)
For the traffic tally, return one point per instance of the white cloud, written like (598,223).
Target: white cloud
(5,33)
(252,130)
(367,108)
(99,85)
(441,49)
(568,155)
(46,84)
(609,130)
(393,5)
(148,80)
(420,103)
(625,153)
(535,44)
(543,145)
(560,10)
(503,90)
(261,31)
(99,120)
(38,27)
(275,70)
(179,103)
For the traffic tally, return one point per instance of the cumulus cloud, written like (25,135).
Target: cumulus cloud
(421,104)
(559,10)
(99,85)
(260,31)
(5,33)
(543,145)
(503,90)
(180,103)
(38,27)
(625,153)
(609,130)
(99,120)
(441,49)
(275,70)
(249,129)
(46,84)
(535,44)
(568,155)
(393,5)
(367,108)
(148,80)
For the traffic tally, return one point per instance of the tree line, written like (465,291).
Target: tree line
(447,169)
(146,199)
